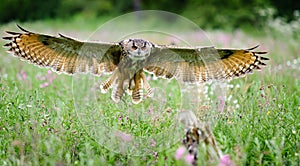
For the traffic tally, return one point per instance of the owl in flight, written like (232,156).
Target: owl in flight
(127,60)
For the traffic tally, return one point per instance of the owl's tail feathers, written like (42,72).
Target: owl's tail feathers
(149,91)
(106,85)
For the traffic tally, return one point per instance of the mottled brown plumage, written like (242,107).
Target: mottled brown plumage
(127,60)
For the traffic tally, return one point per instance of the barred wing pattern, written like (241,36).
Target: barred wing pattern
(194,65)
(63,54)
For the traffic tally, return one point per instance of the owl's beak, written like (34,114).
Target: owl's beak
(139,51)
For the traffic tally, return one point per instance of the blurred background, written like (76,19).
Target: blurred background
(213,14)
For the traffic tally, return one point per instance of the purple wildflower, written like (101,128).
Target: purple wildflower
(189,158)
(119,118)
(44,85)
(225,39)
(179,153)
(124,136)
(148,78)
(23,75)
(152,143)
(40,77)
(225,161)
(221,102)
(50,76)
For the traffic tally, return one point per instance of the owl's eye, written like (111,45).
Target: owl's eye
(144,47)
(134,47)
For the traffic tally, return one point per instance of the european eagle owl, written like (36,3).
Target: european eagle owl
(127,60)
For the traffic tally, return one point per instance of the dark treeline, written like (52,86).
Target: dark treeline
(209,14)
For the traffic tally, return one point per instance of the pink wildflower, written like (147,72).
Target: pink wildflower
(225,161)
(50,76)
(124,136)
(225,39)
(40,77)
(148,78)
(221,102)
(23,74)
(189,158)
(152,142)
(119,118)
(44,85)
(179,152)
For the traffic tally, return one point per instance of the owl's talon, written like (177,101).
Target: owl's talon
(129,92)
(135,101)
(102,90)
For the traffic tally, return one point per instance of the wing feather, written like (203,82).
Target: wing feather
(198,65)
(64,54)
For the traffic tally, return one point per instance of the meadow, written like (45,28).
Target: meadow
(51,119)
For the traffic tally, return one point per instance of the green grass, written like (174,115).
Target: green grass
(70,123)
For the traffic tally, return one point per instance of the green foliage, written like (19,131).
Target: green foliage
(286,9)
(215,14)
(226,14)
(166,5)
(26,10)
(23,10)
(93,7)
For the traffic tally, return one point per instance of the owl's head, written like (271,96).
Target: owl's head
(137,49)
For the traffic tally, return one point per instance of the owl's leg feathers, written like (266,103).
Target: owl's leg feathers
(117,90)
(137,92)
(106,85)
(116,82)
(134,86)
(149,92)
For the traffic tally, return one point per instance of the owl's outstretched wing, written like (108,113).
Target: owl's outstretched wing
(63,54)
(198,65)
